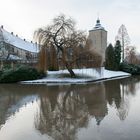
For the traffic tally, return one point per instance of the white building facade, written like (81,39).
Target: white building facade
(14,48)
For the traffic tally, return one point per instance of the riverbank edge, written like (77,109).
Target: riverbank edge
(83,82)
(109,75)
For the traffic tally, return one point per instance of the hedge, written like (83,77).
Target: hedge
(130,68)
(19,74)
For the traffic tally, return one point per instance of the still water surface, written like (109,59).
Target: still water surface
(97,111)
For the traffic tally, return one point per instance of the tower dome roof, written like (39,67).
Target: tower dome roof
(98,25)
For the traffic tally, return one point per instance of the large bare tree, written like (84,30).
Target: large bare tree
(61,34)
(124,38)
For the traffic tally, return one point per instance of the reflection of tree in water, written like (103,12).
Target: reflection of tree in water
(115,95)
(128,87)
(131,85)
(66,109)
(62,121)
(118,92)
(123,109)
(73,108)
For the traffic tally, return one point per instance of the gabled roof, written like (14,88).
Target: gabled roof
(17,42)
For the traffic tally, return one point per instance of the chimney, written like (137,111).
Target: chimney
(24,39)
(12,33)
(31,41)
(2,26)
(16,35)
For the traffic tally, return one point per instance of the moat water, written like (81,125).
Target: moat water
(107,110)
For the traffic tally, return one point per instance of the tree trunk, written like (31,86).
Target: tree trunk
(67,64)
(70,70)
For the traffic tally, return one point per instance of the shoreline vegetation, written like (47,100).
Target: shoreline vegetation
(21,73)
(27,75)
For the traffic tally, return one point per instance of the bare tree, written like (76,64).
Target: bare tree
(61,34)
(61,116)
(123,37)
(132,56)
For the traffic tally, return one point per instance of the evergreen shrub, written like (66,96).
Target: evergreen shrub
(20,74)
(130,68)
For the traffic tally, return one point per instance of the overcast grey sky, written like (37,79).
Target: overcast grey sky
(24,16)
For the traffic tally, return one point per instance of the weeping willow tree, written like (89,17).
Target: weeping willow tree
(59,35)
(42,65)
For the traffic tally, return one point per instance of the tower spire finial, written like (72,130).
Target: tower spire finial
(98,15)
(98,19)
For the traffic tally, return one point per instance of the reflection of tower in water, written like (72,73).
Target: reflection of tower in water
(96,101)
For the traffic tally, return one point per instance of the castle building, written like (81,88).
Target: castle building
(98,39)
(14,48)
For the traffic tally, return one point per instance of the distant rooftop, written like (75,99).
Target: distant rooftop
(14,40)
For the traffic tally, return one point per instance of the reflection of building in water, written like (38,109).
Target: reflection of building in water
(11,101)
(7,105)
(96,101)
(113,93)
(66,109)
(10,104)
